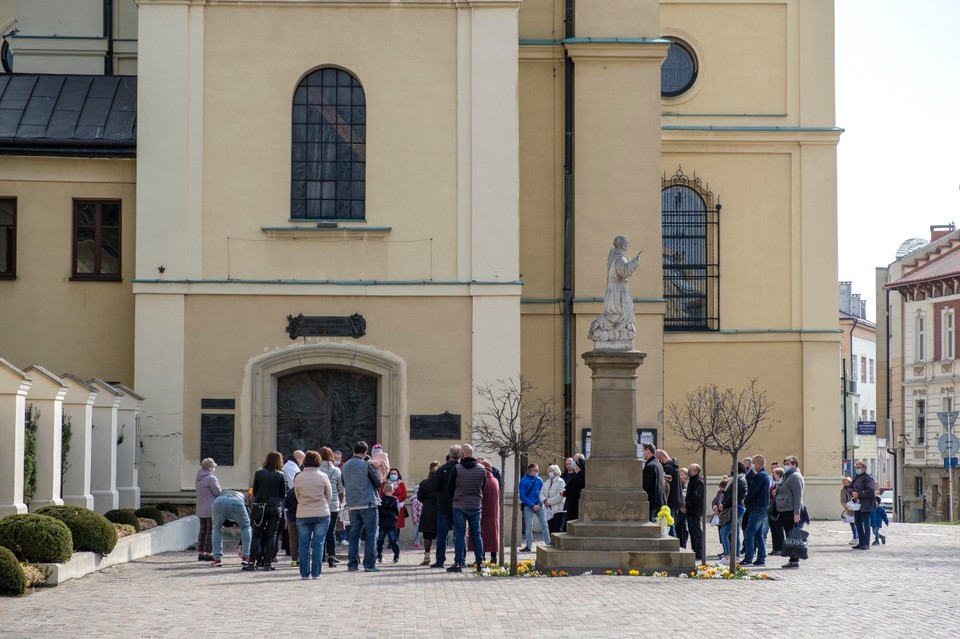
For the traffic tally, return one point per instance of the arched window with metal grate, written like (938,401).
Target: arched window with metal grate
(691,251)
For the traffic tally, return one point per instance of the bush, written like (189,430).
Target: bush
(91,531)
(150,512)
(124,516)
(125,530)
(167,507)
(34,575)
(12,580)
(36,538)
(146,523)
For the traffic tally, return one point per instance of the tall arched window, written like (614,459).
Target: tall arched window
(328,176)
(691,250)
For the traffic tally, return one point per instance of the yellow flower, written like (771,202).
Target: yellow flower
(634,573)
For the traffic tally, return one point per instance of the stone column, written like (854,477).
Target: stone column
(46,395)
(78,408)
(14,384)
(128,423)
(103,476)
(613,532)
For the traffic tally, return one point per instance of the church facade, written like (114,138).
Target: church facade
(339,218)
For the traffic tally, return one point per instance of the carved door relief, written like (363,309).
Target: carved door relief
(326,407)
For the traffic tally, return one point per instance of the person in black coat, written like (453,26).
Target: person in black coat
(653,480)
(693,510)
(574,482)
(427,496)
(671,469)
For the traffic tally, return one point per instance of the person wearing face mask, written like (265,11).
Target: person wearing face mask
(862,490)
(399,492)
(551,496)
(530,486)
(789,500)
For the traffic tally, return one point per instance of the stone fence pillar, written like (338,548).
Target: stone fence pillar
(14,384)
(128,420)
(78,409)
(103,476)
(46,396)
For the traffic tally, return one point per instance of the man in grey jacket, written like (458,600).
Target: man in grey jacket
(467,480)
(361,483)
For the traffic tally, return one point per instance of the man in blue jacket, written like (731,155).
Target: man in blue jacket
(757,503)
(361,483)
(530,486)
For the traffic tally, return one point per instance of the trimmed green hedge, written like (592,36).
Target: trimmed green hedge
(123,516)
(167,507)
(12,580)
(150,512)
(91,531)
(36,538)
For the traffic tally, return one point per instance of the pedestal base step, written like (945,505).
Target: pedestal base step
(631,529)
(567,541)
(580,561)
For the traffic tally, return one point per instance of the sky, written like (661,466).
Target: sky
(898,100)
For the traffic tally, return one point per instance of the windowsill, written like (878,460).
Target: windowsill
(7,277)
(331,231)
(96,278)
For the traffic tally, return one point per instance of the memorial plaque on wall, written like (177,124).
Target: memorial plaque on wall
(332,326)
(445,426)
(217,404)
(216,438)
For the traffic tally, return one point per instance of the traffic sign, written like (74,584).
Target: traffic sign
(948,418)
(846,467)
(949,462)
(949,445)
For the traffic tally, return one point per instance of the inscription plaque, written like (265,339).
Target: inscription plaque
(322,325)
(216,438)
(444,426)
(217,404)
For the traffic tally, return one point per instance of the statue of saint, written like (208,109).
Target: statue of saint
(614,330)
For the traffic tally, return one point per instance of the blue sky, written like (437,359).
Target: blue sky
(898,98)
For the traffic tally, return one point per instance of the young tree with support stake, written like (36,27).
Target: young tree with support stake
(724,422)
(515,424)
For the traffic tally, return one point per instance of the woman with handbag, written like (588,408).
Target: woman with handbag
(314,496)
(551,495)
(789,500)
(269,491)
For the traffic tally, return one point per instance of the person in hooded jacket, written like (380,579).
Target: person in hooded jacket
(671,469)
(208,488)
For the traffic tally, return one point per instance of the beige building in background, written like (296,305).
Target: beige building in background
(454,173)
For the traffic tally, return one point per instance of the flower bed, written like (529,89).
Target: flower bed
(527,568)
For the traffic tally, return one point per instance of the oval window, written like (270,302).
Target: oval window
(679,70)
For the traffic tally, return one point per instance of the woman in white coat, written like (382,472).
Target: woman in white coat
(552,497)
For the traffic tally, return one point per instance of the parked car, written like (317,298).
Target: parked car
(886,500)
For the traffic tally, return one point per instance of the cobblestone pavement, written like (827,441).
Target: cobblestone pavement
(905,588)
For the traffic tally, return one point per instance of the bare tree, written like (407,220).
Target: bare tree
(694,420)
(514,424)
(725,422)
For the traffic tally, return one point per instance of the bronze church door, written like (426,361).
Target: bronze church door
(326,407)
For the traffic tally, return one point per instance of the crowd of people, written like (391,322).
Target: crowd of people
(325,501)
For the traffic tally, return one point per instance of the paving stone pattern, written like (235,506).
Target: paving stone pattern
(906,588)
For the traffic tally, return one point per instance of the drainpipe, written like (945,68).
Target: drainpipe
(568,420)
(108,34)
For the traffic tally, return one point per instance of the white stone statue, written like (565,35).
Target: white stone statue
(614,330)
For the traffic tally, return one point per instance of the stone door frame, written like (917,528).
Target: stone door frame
(393,430)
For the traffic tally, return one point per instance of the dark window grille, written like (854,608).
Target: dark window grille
(96,240)
(8,238)
(328,177)
(691,250)
(921,421)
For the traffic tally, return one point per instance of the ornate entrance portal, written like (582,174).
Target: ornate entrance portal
(326,407)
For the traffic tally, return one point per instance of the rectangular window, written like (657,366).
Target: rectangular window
(921,352)
(873,416)
(947,336)
(873,376)
(863,415)
(96,240)
(863,369)
(921,421)
(8,238)
(918,486)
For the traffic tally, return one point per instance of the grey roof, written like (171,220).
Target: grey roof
(71,115)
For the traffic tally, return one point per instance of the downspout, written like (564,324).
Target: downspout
(568,419)
(108,34)
(853,370)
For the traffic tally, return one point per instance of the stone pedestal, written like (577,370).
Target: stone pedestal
(103,474)
(46,394)
(78,408)
(14,384)
(128,423)
(613,530)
